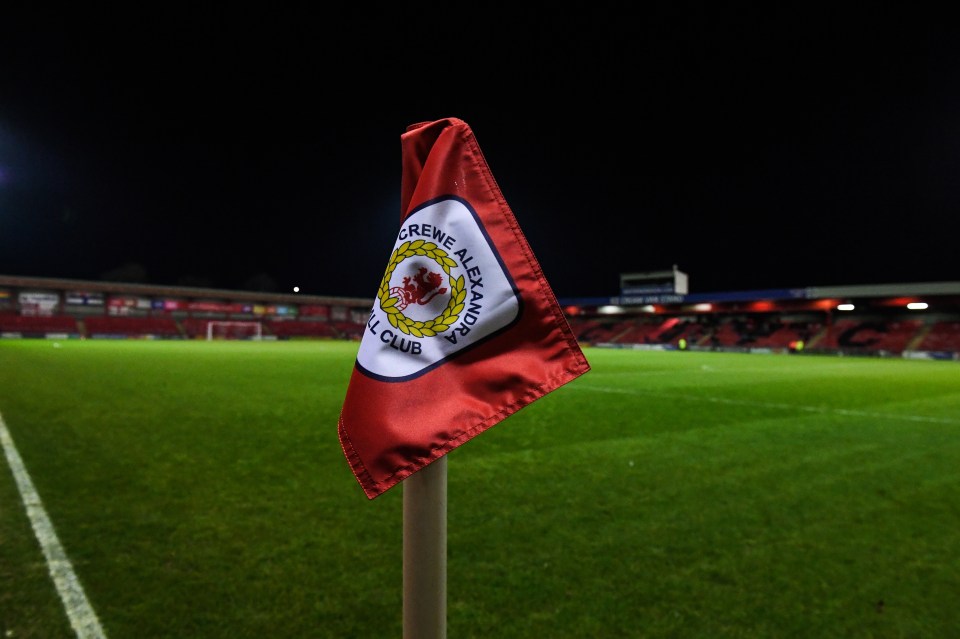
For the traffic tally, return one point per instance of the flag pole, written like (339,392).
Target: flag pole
(425,552)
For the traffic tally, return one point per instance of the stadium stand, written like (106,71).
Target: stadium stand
(640,331)
(286,329)
(896,335)
(588,331)
(881,323)
(194,327)
(772,333)
(107,326)
(829,337)
(874,336)
(28,326)
(942,336)
(349,330)
(726,334)
(786,334)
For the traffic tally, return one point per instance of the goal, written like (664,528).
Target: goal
(234,330)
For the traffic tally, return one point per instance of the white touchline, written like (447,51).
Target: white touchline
(82,617)
(811,409)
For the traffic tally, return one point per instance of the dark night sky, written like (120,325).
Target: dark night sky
(751,148)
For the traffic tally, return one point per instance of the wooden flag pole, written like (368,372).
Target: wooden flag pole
(425,552)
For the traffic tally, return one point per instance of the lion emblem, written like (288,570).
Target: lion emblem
(419,289)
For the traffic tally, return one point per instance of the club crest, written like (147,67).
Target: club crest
(445,289)
(429,266)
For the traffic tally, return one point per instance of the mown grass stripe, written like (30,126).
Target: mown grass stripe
(80,612)
(778,405)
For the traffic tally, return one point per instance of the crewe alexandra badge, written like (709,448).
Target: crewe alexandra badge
(445,290)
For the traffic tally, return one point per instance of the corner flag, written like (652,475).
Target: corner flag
(464,331)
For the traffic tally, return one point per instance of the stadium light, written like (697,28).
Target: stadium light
(610,309)
(845,307)
(296,289)
(917,306)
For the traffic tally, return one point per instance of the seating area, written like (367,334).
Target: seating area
(349,330)
(726,334)
(874,336)
(770,333)
(846,335)
(28,325)
(194,327)
(285,329)
(829,337)
(589,331)
(942,337)
(636,331)
(784,335)
(106,325)
(606,332)
(639,332)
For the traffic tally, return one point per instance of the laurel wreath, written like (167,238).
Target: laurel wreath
(458,292)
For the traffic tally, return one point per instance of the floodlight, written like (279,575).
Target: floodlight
(610,309)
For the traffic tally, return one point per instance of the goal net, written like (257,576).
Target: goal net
(234,330)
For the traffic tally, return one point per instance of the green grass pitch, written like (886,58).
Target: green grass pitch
(200,492)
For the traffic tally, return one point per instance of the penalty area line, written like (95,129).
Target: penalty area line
(82,617)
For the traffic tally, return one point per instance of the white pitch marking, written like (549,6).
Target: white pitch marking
(740,402)
(82,617)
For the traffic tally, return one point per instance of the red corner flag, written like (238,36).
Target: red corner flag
(465,330)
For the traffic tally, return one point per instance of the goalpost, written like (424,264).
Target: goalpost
(219,329)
